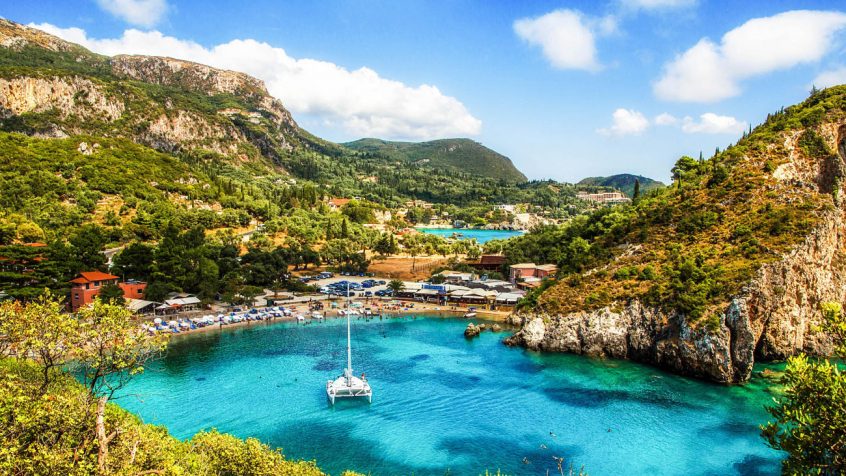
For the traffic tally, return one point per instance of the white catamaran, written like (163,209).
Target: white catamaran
(348,385)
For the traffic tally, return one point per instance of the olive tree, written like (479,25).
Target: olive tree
(41,331)
(113,348)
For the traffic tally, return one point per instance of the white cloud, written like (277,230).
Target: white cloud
(657,4)
(832,77)
(710,123)
(566,37)
(146,13)
(626,122)
(665,119)
(360,101)
(710,72)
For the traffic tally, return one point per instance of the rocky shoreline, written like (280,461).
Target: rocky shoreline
(772,318)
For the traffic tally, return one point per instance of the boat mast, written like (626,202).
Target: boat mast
(349,349)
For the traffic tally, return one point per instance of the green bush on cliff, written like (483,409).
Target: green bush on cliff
(810,416)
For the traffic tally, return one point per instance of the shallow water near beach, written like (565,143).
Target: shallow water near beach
(481,236)
(446,405)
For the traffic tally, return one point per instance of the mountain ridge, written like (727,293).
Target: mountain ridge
(169,104)
(623,182)
(459,153)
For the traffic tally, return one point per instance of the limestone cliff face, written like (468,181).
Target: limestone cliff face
(66,95)
(185,74)
(772,317)
(101,97)
(16,36)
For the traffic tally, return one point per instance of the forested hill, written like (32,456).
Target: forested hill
(124,148)
(623,182)
(728,265)
(461,154)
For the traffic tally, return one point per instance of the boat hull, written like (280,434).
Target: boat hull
(344,387)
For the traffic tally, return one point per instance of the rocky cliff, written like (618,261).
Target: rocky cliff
(55,89)
(772,316)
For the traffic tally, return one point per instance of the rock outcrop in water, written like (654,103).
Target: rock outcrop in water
(772,317)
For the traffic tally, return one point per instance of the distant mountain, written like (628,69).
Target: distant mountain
(462,154)
(624,182)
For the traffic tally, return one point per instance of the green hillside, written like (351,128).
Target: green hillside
(691,246)
(225,123)
(172,158)
(461,154)
(623,182)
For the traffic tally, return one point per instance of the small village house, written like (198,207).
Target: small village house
(336,204)
(489,262)
(609,198)
(526,271)
(87,286)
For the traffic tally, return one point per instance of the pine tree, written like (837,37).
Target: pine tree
(636,193)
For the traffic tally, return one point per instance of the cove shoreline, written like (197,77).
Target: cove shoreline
(419,308)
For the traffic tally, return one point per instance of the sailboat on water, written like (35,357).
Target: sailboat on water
(348,385)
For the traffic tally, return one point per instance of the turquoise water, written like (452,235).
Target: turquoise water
(442,403)
(482,236)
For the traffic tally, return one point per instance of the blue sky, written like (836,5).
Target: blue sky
(565,89)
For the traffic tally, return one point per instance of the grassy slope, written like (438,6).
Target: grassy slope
(623,182)
(56,186)
(461,154)
(689,249)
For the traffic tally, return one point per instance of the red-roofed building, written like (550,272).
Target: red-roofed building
(489,262)
(522,271)
(337,203)
(87,286)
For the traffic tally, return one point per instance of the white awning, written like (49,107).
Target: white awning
(509,297)
(138,304)
(187,301)
(427,292)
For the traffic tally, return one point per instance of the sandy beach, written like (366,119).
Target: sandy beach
(385,311)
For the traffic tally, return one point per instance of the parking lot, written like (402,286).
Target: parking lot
(357,285)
